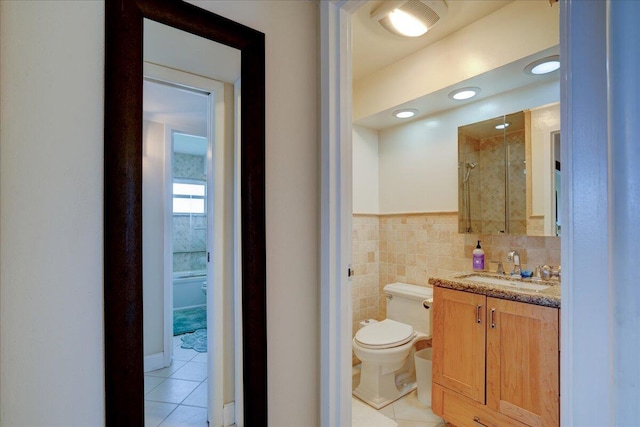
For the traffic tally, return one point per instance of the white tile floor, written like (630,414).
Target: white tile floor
(177,395)
(410,412)
(407,411)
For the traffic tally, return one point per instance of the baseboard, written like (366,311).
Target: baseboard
(229,414)
(153,362)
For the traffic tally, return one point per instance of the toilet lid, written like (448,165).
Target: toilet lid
(387,333)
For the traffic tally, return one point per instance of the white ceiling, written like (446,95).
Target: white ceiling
(374,47)
(499,80)
(182,109)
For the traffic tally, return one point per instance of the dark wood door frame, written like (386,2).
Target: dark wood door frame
(124,377)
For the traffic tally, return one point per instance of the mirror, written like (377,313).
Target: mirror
(508,174)
(123,218)
(189,250)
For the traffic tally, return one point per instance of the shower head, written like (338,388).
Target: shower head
(470,165)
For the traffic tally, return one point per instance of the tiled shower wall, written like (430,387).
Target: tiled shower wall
(189,230)
(486,183)
(412,247)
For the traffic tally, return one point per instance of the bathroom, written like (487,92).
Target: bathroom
(175,235)
(189,233)
(407,186)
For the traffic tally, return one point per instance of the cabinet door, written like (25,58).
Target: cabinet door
(459,342)
(523,362)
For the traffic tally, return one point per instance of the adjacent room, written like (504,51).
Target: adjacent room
(453,157)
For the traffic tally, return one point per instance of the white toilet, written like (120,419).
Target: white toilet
(386,348)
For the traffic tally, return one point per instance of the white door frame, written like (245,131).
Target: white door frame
(336,212)
(586,393)
(237,266)
(215,230)
(217,267)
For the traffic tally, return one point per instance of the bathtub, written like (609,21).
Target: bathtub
(187,292)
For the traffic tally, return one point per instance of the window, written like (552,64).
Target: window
(189,197)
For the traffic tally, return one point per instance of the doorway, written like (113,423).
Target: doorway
(183,136)
(336,57)
(189,236)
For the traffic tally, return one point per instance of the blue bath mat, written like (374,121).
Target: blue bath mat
(189,320)
(196,340)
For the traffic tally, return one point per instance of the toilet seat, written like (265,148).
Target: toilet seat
(385,334)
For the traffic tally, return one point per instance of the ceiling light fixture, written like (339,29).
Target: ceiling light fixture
(405,113)
(543,66)
(464,93)
(409,18)
(503,125)
(406,24)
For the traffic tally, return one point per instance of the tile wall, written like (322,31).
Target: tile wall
(412,247)
(189,242)
(190,166)
(486,182)
(366,266)
(189,230)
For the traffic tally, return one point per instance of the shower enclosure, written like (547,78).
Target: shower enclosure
(492,176)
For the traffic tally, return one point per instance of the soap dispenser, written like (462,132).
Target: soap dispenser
(478,257)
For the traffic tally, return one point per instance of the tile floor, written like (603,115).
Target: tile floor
(410,412)
(407,411)
(177,396)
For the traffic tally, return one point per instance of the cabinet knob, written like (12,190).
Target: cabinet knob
(479,314)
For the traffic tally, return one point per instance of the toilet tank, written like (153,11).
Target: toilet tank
(405,304)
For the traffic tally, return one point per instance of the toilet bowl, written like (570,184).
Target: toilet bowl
(386,348)
(387,371)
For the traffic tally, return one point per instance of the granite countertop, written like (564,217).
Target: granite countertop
(549,297)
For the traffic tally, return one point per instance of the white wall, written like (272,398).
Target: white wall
(51,160)
(544,121)
(418,162)
(178,49)
(51,215)
(292,189)
(365,171)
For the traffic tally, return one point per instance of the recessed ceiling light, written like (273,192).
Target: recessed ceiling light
(405,113)
(409,18)
(503,125)
(543,66)
(464,93)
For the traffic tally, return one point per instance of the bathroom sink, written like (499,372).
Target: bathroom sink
(505,282)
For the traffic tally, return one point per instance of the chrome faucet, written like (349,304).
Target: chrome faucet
(548,272)
(514,257)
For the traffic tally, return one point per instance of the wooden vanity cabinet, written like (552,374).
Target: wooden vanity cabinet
(459,336)
(495,362)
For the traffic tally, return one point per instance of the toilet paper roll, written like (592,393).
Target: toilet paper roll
(367,322)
